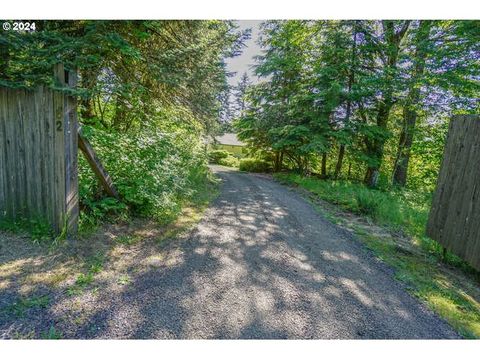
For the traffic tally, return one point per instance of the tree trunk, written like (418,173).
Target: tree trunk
(276,162)
(376,146)
(87,113)
(338,167)
(400,169)
(371,176)
(324,165)
(404,147)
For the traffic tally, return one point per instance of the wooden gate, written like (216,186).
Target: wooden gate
(454,219)
(38,154)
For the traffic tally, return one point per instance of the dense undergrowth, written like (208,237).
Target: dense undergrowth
(154,172)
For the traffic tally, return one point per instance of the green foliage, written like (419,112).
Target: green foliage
(368,203)
(153,171)
(147,92)
(255,165)
(93,266)
(399,210)
(128,239)
(214,156)
(373,94)
(52,334)
(222,157)
(127,68)
(24,304)
(230,161)
(84,280)
(124,280)
(38,229)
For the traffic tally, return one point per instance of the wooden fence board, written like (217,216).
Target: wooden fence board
(2,154)
(454,219)
(38,155)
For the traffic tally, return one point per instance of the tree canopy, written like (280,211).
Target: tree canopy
(358,89)
(128,69)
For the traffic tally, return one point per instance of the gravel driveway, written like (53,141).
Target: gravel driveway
(262,264)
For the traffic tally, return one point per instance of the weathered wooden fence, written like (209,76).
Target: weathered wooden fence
(454,219)
(38,154)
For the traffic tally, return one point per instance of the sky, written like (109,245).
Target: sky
(243,62)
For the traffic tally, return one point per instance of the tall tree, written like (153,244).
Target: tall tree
(388,50)
(410,106)
(240,93)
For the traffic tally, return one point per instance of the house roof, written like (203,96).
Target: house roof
(229,139)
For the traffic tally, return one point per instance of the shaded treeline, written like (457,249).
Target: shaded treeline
(361,99)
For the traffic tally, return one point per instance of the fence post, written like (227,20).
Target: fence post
(66,148)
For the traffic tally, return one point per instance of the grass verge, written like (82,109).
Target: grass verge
(392,226)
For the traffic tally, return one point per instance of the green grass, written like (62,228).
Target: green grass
(22,305)
(93,266)
(421,270)
(192,210)
(124,280)
(402,211)
(51,334)
(393,209)
(128,239)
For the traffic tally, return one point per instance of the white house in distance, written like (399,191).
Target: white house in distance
(230,143)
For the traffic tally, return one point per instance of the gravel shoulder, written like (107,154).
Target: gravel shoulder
(262,263)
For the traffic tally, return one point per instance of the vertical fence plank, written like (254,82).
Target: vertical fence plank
(10,155)
(455,212)
(2,155)
(71,158)
(50,150)
(35,145)
(59,150)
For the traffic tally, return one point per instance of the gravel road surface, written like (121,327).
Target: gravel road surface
(262,263)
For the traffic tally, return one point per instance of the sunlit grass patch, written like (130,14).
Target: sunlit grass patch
(192,211)
(93,266)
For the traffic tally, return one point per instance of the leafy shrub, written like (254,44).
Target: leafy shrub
(230,161)
(153,171)
(255,165)
(215,156)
